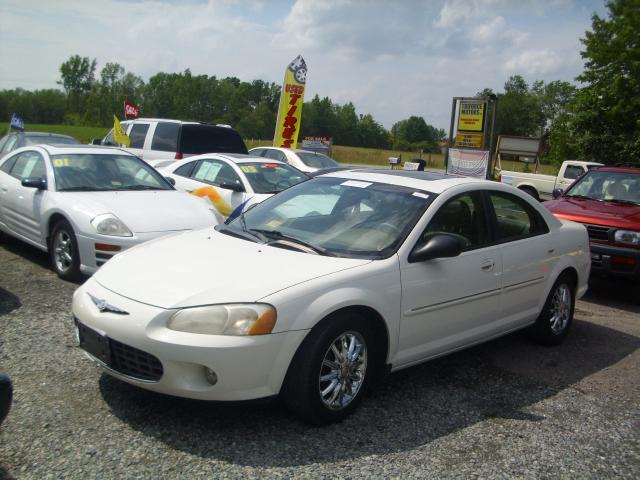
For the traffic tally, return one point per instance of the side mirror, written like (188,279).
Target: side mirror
(232,186)
(557,193)
(171,180)
(35,182)
(96,141)
(438,246)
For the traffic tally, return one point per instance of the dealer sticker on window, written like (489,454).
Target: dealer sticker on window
(355,183)
(420,194)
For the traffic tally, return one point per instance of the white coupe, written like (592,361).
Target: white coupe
(231,182)
(85,204)
(316,291)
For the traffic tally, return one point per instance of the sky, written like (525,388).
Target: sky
(391,59)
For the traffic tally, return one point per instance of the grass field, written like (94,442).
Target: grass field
(349,155)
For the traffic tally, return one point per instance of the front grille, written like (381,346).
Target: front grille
(596,232)
(133,362)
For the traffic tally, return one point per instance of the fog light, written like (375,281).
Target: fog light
(211,376)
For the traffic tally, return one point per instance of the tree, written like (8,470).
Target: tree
(77,79)
(606,122)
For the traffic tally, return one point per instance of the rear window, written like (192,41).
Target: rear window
(271,177)
(317,160)
(36,140)
(197,139)
(165,137)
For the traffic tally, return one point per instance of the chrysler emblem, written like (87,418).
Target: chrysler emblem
(103,306)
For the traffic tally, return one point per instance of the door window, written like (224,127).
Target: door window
(8,164)
(216,172)
(515,218)
(165,137)
(137,135)
(462,217)
(185,170)
(28,164)
(573,171)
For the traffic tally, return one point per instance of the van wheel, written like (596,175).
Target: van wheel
(63,250)
(331,370)
(557,314)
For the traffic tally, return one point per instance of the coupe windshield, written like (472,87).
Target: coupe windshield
(317,160)
(271,177)
(623,187)
(336,217)
(98,172)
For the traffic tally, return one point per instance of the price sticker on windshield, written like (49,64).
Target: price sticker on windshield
(355,183)
(61,162)
(248,169)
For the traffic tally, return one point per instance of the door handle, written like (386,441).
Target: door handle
(487,265)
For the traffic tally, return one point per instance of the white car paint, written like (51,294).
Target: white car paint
(29,213)
(225,200)
(429,308)
(287,155)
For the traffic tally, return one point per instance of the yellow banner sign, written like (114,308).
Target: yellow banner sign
(469,140)
(291,99)
(471,116)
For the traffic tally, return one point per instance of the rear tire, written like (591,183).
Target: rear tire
(331,370)
(63,250)
(556,317)
(531,191)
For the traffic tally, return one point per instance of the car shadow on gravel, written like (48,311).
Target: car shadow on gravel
(8,302)
(501,379)
(614,292)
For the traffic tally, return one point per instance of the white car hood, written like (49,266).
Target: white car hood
(147,210)
(206,267)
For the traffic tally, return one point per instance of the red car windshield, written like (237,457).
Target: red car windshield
(616,186)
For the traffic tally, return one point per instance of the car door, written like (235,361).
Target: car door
(528,255)
(212,177)
(21,206)
(448,303)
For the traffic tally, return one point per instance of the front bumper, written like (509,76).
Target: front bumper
(614,260)
(246,367)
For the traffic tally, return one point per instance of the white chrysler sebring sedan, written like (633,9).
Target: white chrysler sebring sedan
(85,204)
(314,292)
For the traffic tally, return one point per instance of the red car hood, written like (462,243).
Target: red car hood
(596,212)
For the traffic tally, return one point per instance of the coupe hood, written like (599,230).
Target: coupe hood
(596,212)
(147,210)
(206,267)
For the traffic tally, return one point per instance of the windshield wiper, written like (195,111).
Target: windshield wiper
(583,197)
(84,188)
(624,202)
(140,187)
(276,235)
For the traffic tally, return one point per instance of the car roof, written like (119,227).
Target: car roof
(231,157)
(621,169)
(170,120)
(431,181)
(53,149)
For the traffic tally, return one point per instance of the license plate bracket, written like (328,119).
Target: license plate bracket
(94,343)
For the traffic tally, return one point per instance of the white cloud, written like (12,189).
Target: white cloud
(534,63)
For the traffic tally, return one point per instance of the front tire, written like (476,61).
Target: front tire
(556,317)
(331,370)
(63,250)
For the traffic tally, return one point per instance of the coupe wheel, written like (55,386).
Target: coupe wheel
(557,314)
(65,258)
(331,370)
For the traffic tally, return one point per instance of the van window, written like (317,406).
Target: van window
(197,139)
(137,134)
(165,138)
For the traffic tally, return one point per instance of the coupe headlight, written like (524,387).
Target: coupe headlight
(628,237)
(232,319)
(109,224)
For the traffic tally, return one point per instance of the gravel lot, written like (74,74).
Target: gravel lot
(505,409)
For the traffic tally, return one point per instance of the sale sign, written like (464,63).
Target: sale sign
(291,100)
(131,110)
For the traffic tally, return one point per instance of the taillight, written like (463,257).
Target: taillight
(179,156)
(500,178)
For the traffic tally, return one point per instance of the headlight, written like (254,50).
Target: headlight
(628,237)
(109,224)
(232,319)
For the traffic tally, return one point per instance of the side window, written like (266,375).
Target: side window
(257,152)
(276,155)
(8,164)
(28,164)
(515,218)
(185,170)
(9,144)
(463,217)
(573,171)
(137,134)
(165,137)
(216,172)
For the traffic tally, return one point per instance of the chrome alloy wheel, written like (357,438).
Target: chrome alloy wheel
(63,251)
(343,370)
(560,309)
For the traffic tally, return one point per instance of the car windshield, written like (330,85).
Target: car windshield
(335,217)
(316,160)
(98,172)
(271,177)
(623,187)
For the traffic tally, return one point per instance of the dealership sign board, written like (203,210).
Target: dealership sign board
(291,99)
(469,140)
(317,144)
(471,116)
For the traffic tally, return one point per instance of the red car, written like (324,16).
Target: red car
(607,201)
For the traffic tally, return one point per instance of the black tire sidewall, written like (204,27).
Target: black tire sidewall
(300,389)
(74,272)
